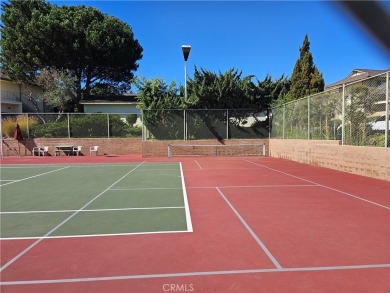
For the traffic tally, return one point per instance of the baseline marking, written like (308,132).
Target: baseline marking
(35,176)
(267,252)
(94,210)
(63,222)
(192,274)
(321,185)
(146,188)
(96,235)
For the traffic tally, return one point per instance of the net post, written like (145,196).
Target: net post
(263,149)
(169,151)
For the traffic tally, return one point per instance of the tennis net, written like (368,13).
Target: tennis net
(214,150)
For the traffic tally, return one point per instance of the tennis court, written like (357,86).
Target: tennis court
(193,224)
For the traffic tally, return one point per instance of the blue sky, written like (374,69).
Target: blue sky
(255,37)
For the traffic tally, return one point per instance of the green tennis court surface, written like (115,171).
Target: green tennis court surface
(99,199)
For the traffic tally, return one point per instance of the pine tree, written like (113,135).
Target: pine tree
(306,78)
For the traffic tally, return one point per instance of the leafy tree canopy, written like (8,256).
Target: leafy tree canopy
(209,90)
(96,48)
(156,94)
(230,90)
(306,78)
(58,88)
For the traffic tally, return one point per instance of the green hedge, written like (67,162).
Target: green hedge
(84,126)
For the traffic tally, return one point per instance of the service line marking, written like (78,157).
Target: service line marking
(94,210)
(321,185)
(194,274)
(35,176)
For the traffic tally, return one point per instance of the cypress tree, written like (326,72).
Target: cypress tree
(306,79)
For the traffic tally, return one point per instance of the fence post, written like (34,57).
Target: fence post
(142,128)
(343,117)
(185,125)
(227,123)
(28,128)
(387,110)
(67,114)
(308,118)
(269,114)
(284,117)
(108,125)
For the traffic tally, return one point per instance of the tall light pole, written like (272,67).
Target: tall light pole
(186,52)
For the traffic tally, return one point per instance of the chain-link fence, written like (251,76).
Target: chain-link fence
(152,124)
(204,124)
(72,125)
(355,113)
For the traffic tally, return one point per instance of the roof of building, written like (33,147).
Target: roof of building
(355,75)
(4,76)
(127,98)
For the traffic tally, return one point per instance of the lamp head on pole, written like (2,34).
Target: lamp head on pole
(186,51)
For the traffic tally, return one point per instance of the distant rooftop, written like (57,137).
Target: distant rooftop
(126,98)
(355,75)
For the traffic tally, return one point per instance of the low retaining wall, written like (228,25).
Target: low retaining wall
(107,146)
(367,161)
(362,160)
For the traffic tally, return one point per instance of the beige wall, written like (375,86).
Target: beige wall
(10,93)
(108,146)
(362,160)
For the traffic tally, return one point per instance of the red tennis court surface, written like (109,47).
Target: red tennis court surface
(259,225)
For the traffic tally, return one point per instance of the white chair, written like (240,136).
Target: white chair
(93,149)
(76,150)
(41,151)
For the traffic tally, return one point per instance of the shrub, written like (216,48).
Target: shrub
(131,119)
(57,129)
(95,125)
(25,122)
(134,132)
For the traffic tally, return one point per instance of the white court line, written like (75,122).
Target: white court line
(253,186)
(200,167)
(95,210)
(35,176)
(146,188)
(25,166)
(265,249)
(270,186)
(63,222)
(96,235)
(194,274)
(185,198)
(324,186)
